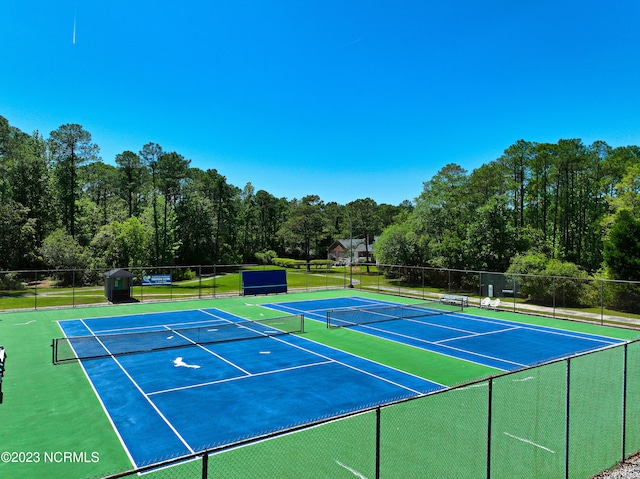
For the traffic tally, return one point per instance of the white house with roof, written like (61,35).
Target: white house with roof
(362,251)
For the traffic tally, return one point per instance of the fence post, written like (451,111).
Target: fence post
(205,465)
(35,292)
(326,277)
(199,281)
(601,302)
(489,422)
(554,297)
(624,403)
(378,443)
(568,415)
(73,288)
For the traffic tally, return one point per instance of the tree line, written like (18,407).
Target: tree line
(545,208)
(554,209)
(62,207)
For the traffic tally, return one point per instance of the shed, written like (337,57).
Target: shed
(117,285)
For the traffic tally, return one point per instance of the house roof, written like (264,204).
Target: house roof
(119,273)
(359,244)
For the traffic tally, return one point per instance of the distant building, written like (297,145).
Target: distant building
(117,285)
(362,253)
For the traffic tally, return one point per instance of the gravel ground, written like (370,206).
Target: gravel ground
(629,470)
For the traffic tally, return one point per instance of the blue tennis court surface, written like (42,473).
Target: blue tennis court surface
(171,402)
(500,344)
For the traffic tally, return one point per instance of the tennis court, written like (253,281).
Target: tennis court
(161,380)
(176,383)
(440,328)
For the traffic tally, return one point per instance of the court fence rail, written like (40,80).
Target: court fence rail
(571,418)
(597,300)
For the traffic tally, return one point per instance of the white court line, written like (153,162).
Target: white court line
(168,313)
(216,316)
(358,369)
(156,327)
(323,310)
(514,326)
(436,325)
(236,378)
(441,345)
(352,470)
(540,329)
(523,380)
(472,386)
(475,335)
(527,441)
(230,363)
(359,357)
(276,338)
(104,408)
(375,302)
(439,352)
(137,386)
(502,323)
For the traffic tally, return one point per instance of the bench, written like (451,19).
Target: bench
(455,299)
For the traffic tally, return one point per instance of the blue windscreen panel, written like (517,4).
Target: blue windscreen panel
(264,282)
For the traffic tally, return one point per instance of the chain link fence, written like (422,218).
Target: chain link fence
(571,419)
(599,300)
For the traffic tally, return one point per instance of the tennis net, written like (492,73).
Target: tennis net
(114,344)
(339,318)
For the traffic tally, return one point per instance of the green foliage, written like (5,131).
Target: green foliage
(300,263)
(266,257)
(11,281)
(18,235)
(321,263)
(70,147)
(152,208)
(132,175)
(622,249)
(400,244)
(61,251)
(289,263)
(573,286)
(622,297)
(183,274)
(491,238)
(542,280)
(306,225)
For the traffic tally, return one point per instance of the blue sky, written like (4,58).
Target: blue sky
(344,99)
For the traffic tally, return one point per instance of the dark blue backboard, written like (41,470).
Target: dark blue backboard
(264,282)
